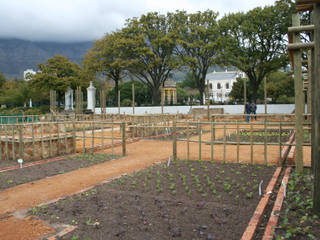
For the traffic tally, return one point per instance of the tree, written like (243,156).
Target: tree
(197,43)
(254,42)
(108,58)
(2,80)
(14,93)
(58,73)
(142,94)
(149,42)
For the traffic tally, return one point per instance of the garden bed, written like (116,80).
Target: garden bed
(272,136)
(297,221)
(35,172)
(187,200)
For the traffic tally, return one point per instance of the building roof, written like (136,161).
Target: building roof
(215,76)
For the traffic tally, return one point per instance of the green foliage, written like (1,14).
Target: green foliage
(254,42)
(58,73)
(197,44)
(149,43)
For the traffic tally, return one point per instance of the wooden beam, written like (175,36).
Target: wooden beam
(301,28)
(302,2)
(298,86)
(304,7)
(300,45)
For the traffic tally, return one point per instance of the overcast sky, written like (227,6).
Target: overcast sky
(83,20)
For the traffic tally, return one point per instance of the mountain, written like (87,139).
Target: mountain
(18,55)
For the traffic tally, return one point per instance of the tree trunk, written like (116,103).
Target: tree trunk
(116,89)
(155,96)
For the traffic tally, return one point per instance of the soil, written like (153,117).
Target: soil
(19,176)
(187,200)
(296,220)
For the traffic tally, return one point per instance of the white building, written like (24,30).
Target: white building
(221,83)
(25,76)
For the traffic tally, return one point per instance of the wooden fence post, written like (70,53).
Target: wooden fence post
(20,142)
(123,138)
(174,138)
(298,86)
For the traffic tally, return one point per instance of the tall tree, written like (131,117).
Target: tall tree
(107,57)
(197,43)
(2,80)
(150,42)
(255,42)
(58,73)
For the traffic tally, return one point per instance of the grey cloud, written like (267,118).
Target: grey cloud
(82,20)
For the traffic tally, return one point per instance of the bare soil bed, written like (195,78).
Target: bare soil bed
(297,221)
(23,175)
(187,200)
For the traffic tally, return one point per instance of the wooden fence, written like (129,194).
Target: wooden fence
(224,139)
(32,141)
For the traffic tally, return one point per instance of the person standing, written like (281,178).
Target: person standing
(253,110)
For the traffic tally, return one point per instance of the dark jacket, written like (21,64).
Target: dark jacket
(253,108)
(248,108)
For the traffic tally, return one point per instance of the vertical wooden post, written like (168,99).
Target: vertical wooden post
(208,101)
(50,139)
(265,95)
(251,143)
(162,99)
(265,142)
(83,139)
(102,135)
(65,138)
(280,147)
(20,142)
(58,139)
(174,139)
(118,104)
(315,111)
(33,142)
(133,100)
(298,86)
(244,95)
(188,141)
(13,144)
(112,141)
(200,140)
(7,141)
(212,140)
(42,144)
(74,137)
(123,125)
(224,142)
(238,143)
(309,81)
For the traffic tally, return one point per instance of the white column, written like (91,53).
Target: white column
(30,103)
(91,94)
(68,96)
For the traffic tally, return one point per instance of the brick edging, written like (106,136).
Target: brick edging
(255,219)
(274,216)
(60,234)
(286,149)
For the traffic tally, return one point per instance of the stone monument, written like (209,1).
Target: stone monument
(91,94)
